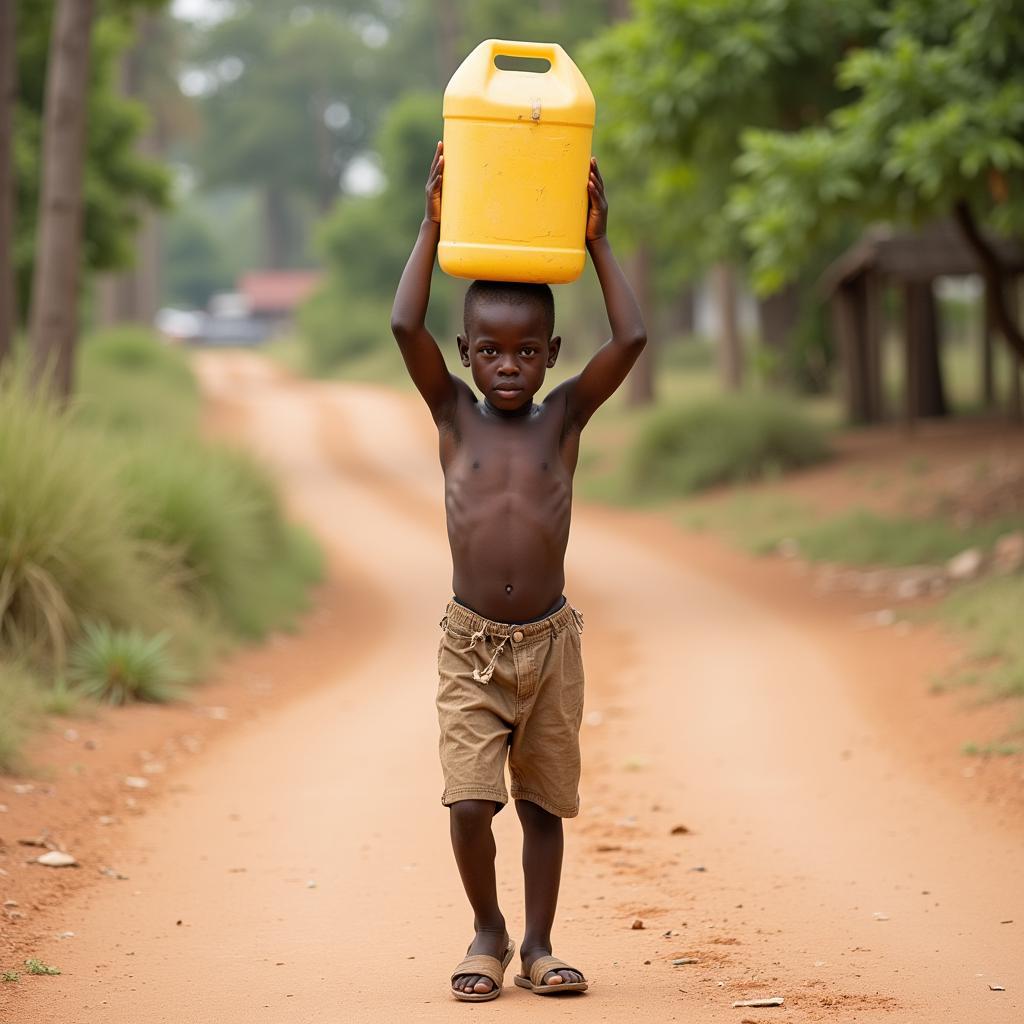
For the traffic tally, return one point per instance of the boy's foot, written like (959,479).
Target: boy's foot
(564,975)
(489,943)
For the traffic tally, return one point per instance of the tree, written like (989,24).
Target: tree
(8,103)
(111,175)
(54,324)
(680,83)
(932,125)
(292,97)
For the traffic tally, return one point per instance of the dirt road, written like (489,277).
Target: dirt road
(300,871)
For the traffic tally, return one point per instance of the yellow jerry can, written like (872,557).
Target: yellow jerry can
(516,164)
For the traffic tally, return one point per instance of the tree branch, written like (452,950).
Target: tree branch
(993,273)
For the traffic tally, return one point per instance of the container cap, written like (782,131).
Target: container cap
(479,89)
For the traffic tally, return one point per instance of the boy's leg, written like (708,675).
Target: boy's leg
(542,872)
(473,843)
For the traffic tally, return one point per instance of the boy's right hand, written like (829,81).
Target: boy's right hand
(434,179)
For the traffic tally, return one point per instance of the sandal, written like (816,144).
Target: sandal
(488,967)
(545,965)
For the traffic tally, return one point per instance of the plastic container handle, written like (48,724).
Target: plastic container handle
(508,48)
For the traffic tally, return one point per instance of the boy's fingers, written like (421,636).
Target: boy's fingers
(597,173)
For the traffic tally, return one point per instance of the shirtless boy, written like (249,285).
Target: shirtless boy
(511,677)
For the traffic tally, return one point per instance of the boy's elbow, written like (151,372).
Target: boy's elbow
(636,338)
(401,328)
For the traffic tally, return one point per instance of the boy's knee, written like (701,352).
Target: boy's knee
(469,816)
(533,814)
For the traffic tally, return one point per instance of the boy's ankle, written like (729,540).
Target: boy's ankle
(496,927)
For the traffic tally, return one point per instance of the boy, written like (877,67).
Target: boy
(511,676)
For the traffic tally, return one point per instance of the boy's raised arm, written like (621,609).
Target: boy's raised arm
(608,367)
(422,357)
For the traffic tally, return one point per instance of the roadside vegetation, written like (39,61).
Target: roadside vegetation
(132,551)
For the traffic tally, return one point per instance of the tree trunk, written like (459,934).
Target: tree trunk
(640,390)
(777,316)
(925,390)
(132,295)
(730,345)
(8,98)
(58,266)
(988,367)
(275,226)
(993,273)
(684,312)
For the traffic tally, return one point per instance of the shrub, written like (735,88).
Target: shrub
(732,440)
(338,328)
(19,709)
(130,383)
(118,666)
(67,549)
(217,512)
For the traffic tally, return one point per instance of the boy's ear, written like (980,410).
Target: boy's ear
(554,345)
(463,349)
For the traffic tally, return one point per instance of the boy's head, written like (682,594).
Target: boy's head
(508,340)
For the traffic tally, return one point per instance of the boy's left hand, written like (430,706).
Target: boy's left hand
(597,215)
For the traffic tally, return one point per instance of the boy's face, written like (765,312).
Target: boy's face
(509,351)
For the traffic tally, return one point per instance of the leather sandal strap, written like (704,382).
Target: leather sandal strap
(482,964)
(545,965)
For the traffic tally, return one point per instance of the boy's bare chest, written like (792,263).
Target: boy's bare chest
(527,457)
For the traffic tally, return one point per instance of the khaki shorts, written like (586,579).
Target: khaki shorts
(517,689)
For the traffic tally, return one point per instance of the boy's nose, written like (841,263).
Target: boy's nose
(508,370)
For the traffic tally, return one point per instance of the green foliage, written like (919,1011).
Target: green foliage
(196,265)
(988,611)
(9,976)
(292,95)
(131,383)
(118,179)
(934,113)
(67,551)
(681,450)
(339,327)
(217,515)
(34,966)
(680,82)
(366,242)
(129,522)
(121,665)
(859,537)
(60,697)
(19,710)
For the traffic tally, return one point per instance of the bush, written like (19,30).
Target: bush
(129,383)
(339,328)
(68,552)
(118,666)
(730,440)
(19,709)
(218,515)
(115,512)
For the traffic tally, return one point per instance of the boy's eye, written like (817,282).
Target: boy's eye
(528,351)
(487,350)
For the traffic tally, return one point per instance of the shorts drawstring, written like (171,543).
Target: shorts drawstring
(480,635)
(485,674)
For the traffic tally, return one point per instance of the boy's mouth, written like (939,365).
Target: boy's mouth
(508,389)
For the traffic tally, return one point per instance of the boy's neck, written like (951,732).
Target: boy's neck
(509,414)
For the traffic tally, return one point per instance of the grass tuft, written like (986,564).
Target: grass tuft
(21,707)
(34,966)
(118,666)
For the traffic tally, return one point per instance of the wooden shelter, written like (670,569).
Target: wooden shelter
(910,261)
